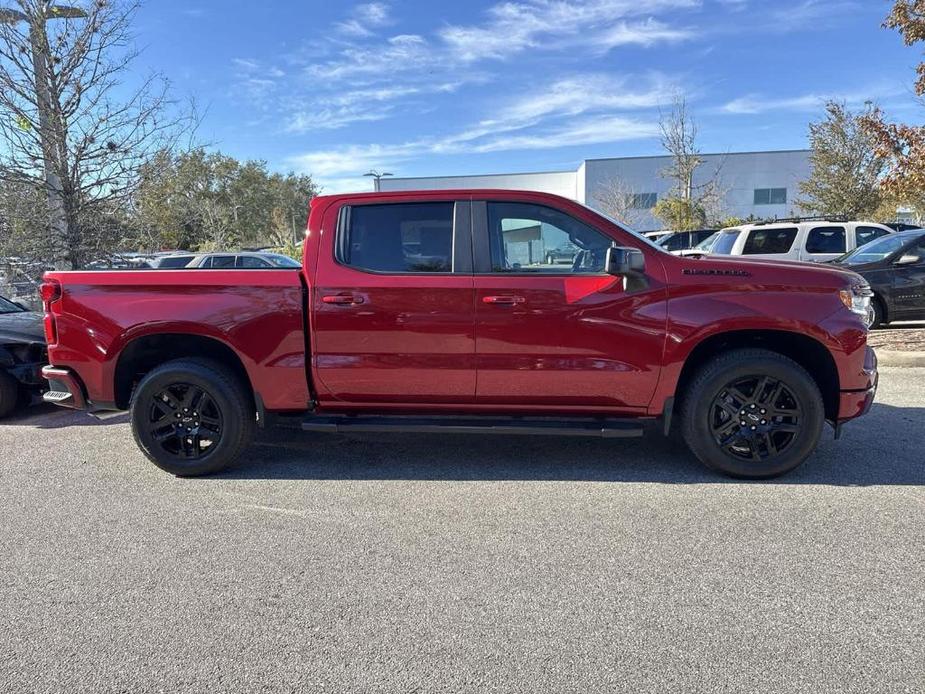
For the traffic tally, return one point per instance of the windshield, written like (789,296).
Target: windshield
(725,241)
(876,250)
(9,306)
(708,242)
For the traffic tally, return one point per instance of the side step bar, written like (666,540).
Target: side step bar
(607,428)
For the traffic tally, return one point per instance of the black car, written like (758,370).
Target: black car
(894,265)
(684,240)
(22,355)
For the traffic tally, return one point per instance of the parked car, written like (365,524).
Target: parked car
(225,261)
(894,266)
(678,241)
(22,356)
(366,338)
(816,241)
(702,248)
(563,254)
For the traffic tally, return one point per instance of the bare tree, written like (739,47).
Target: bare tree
(616,198)
(65,125)
(679,138)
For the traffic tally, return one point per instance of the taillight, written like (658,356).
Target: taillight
(50,291)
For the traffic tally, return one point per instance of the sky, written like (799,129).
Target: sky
(418,88)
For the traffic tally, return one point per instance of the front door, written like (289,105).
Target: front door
(909,282)
(552,328)
(392,310)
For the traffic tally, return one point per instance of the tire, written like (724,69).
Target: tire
(9,394)
(879,314)
(192,417)
(782,426)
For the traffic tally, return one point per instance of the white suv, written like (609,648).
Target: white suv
(816,241)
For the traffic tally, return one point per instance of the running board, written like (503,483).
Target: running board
(609,428)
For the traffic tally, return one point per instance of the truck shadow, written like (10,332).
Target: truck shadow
(45,416)
(883,448)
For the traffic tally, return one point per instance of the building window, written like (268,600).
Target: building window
(770,196)
(643,201)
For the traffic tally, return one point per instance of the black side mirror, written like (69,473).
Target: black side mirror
(624,261)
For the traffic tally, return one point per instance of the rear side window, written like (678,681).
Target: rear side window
(250,262)
(220,262)
(826,240)
(769,241)
(865,235)
(175,262)
(398,238)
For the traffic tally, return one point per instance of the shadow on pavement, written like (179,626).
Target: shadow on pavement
(44,416)
(883,448)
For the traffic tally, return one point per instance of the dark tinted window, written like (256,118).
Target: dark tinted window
(826,240)
(769,241)
(725,242)
(864,235)
(250,262)
(677,241)
(175,261)
(770,196)
(406,237)
(534,238)
(697,236)
(643,201)
(221,262)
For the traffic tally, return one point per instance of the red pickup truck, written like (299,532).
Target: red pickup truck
(439,311)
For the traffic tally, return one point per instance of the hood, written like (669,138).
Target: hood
(24,327)
(790,272)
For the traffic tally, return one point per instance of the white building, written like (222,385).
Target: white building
(760,184)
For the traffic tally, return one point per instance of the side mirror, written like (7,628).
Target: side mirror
(908,259)
(624,261)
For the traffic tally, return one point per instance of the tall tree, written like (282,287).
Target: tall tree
(846,166)
(616,198)
(70,124)
(903,146)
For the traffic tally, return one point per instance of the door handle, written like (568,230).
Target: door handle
(503,300)
(342,299)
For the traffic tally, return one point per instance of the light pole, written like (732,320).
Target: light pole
(48,137)
(378,176)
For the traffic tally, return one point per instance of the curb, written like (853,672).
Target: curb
(886,357)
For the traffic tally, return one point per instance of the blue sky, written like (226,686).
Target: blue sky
(437,88)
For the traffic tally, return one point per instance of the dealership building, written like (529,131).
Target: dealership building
(760,184)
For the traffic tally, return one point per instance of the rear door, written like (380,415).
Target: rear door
(392,303)
(562,335)
(825,243)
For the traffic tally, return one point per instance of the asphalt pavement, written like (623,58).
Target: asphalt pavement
(401,563)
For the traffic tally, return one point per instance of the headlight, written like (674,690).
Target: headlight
(857,300)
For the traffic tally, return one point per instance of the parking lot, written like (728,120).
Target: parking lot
(421,563)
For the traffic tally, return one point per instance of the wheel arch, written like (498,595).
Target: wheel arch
(146,352)
(806,351)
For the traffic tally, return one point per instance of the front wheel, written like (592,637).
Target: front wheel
(752,413)
(192,416)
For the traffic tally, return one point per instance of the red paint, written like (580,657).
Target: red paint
(502,343)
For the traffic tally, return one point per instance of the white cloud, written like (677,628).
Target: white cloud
(755,103)
(365,19)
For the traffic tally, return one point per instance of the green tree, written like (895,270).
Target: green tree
(845,165)
(680,214)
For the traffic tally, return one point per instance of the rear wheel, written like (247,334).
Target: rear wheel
(752,413)
(9,394)
(192,416)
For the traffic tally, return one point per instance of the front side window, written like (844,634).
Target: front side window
(761,241)
(532,238)
(398,238)
(770,196)
(864,235)
(826,240)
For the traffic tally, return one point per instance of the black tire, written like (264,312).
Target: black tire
(782,425)
(9,394)
(879,313)
(192,416)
